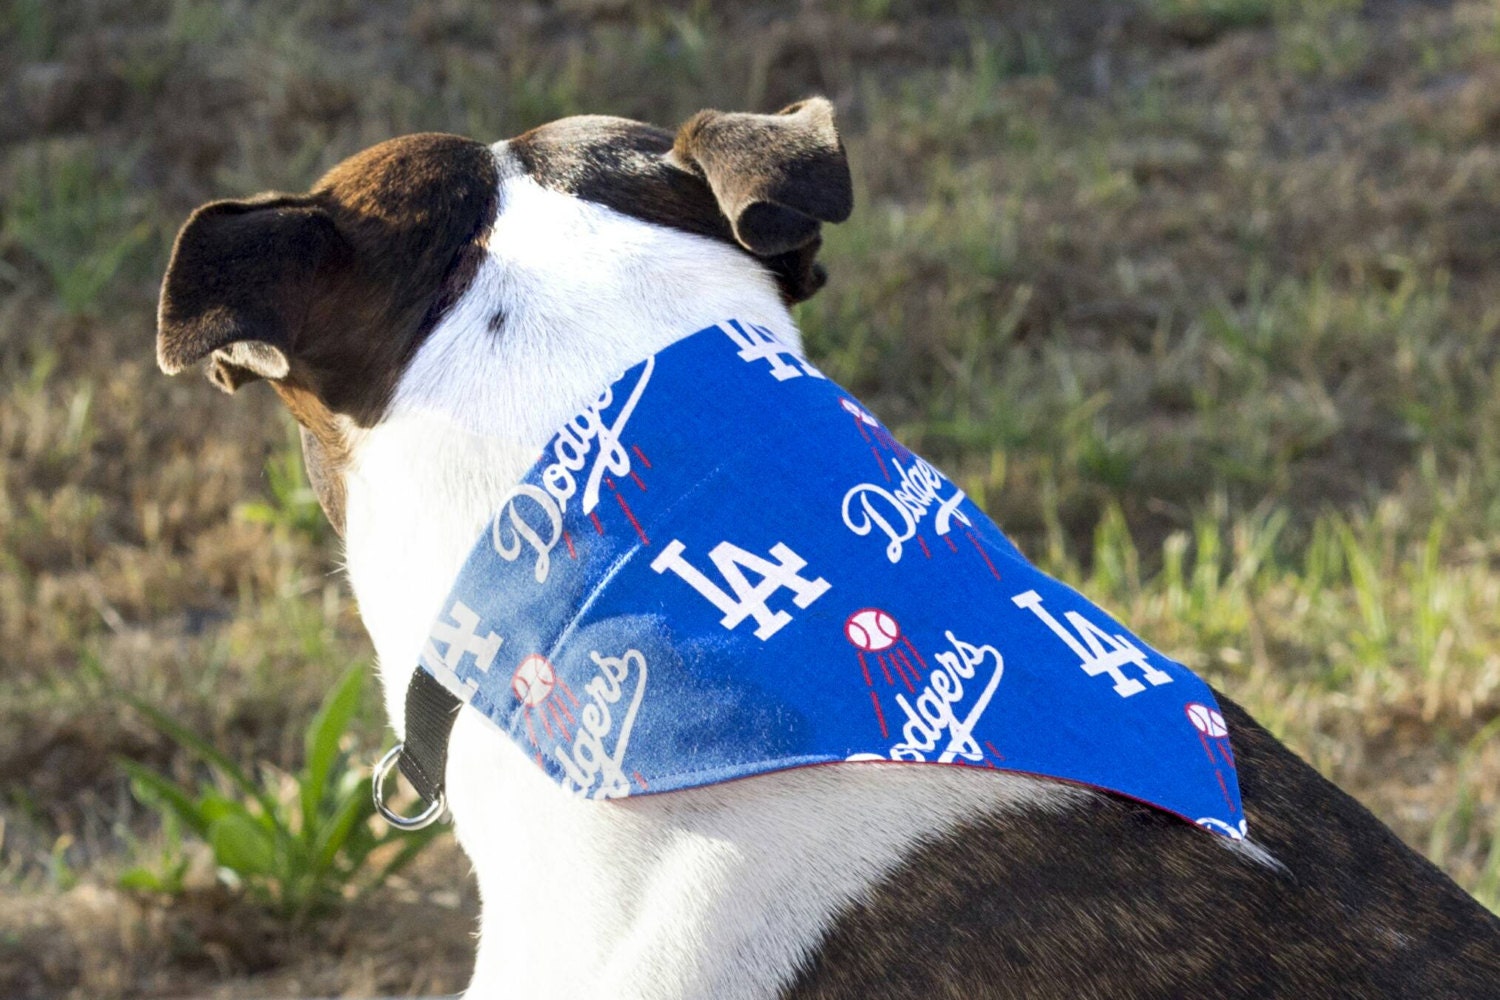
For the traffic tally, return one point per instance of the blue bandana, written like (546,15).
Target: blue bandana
(726,566)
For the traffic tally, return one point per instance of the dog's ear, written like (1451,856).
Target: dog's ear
(775,177)
(239,285)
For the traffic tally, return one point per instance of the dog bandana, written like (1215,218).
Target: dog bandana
(726,566)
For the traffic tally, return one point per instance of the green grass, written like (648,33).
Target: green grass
(291,506)
(299,844)
(75,215)
(1214,15)
(1366,629)
(32,24)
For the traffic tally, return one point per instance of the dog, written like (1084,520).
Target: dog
(431,312)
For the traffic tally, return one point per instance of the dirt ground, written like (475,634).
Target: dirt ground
(415,939)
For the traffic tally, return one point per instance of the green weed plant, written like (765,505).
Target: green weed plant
(299,847)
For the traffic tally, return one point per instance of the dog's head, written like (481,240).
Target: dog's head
(331,295)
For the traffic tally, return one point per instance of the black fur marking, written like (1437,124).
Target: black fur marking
(624,165)
(642,171)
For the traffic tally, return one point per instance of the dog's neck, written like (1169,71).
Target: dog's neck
(502,372)
(699,893)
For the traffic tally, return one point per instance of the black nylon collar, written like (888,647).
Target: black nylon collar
(431,710)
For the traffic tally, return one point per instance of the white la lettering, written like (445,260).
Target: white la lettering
(577,438)
(759,344)
(1095,658)
(511,528)
(933,717)
(587,760)
(459,639)
(919,488)
(748,601)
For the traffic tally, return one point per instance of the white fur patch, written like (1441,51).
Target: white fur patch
(1253,852)
(715,892)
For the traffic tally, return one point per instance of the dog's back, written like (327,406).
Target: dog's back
(1116,899)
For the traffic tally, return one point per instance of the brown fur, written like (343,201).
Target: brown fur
(331,293)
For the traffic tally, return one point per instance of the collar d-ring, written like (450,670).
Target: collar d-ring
(377,788)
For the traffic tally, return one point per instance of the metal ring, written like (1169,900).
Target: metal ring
(377,788)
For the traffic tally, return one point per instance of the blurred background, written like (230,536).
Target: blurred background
(1197,297)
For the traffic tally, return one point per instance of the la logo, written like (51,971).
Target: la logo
(756,343)
(460,639)
(1098,651)
(748,600)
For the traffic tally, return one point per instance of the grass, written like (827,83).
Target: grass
(291,505)
(1195,296)
(299,844)
(76,217)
